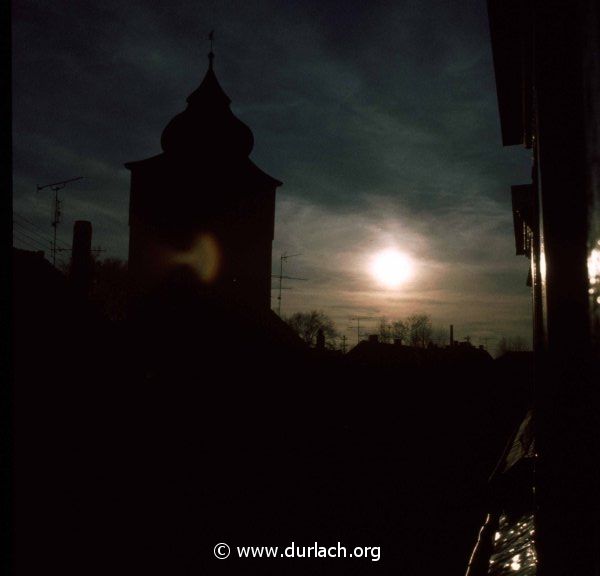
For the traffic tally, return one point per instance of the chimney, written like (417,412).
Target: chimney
(451,334)
(81,258)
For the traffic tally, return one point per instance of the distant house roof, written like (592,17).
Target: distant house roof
(390,355)
(33,268)
(377,353)
(516,357)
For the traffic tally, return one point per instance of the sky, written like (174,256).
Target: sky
(379,117)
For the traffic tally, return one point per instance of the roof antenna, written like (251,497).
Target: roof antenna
(211,54)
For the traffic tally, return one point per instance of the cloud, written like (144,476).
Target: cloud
(479,289)
(380,118)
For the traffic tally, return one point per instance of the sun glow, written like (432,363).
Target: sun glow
(392,268)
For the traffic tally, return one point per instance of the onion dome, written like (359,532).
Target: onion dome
(207,127)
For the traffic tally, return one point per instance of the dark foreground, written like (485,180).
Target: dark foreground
(140,445)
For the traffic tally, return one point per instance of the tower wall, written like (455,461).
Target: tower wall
(202,213)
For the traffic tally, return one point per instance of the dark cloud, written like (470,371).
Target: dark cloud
(380,118)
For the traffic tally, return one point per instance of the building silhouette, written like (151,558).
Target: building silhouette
(202,211)
(194,421)
(547,70)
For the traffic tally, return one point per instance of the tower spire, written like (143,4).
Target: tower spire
(211,54)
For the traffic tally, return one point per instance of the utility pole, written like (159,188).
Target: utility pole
(56,186)
(343,344)
(282,258)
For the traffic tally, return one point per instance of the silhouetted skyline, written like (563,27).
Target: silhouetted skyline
(381,120)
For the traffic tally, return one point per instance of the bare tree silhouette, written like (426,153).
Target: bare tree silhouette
(308,324)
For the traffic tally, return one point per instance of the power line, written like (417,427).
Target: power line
(38,230)
(42,242)
(29,244)
(25,219)
(24,229)
(24,241)
(35,242)
(31,233)
(31,239)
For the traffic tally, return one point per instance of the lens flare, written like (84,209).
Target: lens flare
(203,257)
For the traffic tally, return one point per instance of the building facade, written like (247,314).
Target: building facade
(547,68)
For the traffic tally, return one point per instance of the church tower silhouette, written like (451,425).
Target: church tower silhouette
(202,210)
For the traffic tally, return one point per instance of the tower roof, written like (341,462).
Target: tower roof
(207,127)
(210,91)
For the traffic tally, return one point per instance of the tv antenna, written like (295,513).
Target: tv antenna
(358,319)
(284,258)
(344,338)
(56,186)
